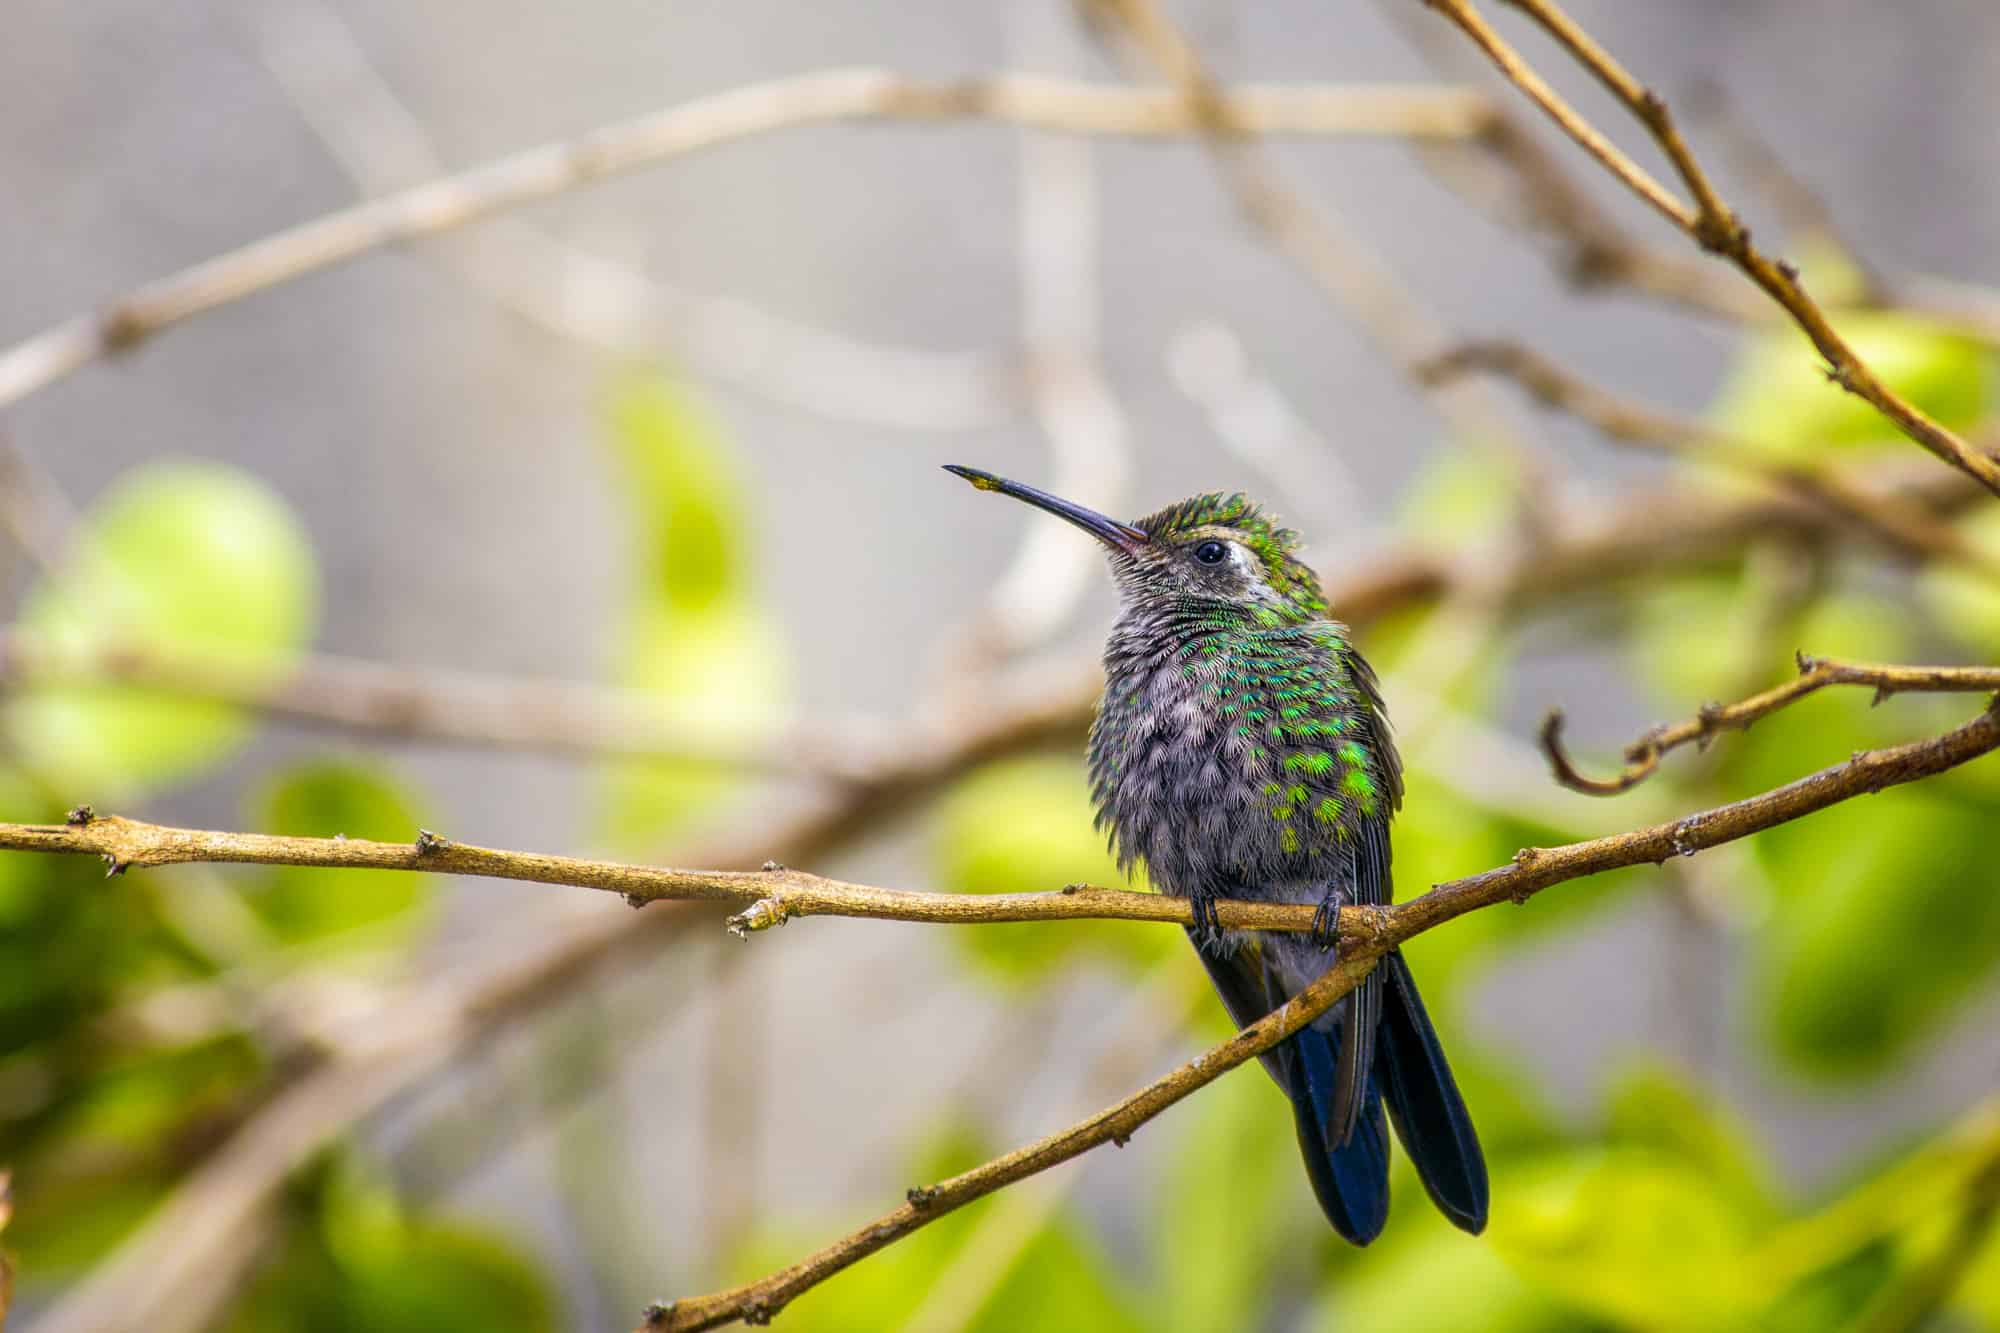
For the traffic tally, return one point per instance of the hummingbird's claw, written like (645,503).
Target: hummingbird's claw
(1326,920)
(1207,927)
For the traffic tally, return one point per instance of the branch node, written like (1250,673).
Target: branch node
(760,915)
(1071,890)
(1789,271)
(429,843)
(116,866)
(635,901)
(79,816)
(1807,663)
(1710,717)
(1682,845)
(659,1312)
(773,867)
(759,1314)
(122,328)
(921,1196)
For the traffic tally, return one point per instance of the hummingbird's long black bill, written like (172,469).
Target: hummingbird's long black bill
(1110,531)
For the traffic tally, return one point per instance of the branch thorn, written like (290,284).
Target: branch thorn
(760,915)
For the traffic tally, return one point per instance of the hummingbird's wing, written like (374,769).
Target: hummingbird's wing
(1363,1016)
(1373,887)
(1424,1100)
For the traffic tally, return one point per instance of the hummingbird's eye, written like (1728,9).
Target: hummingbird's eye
(1211,553)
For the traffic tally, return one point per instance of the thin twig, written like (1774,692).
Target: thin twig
(1649,531)
(1642,757)
(1355,278)
(1366,934)
(754,109)
(769,897)
(557,717)
(590,298)
(1059,235)
(1708,220)
(1894,522)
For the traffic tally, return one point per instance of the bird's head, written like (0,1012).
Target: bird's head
(1221,549)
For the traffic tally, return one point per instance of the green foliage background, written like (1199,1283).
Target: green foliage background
(1866,935)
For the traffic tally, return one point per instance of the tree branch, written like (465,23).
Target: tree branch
(1642,757)
(572,718)
(770,896)
(169,1267)
(1366,933)
(1894,522)
(760,108)
(776,893)
(1646,532)
(1708,220)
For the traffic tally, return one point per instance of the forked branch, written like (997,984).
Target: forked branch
(1366,933)
(1708,220)
(1642,756)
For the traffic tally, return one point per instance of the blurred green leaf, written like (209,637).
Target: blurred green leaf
(726,672)
(1897,926)
(976,1262)
(1779,399)
(1024,826)
(1979,1293)
(1230,1206)
(1059,1280)
(693,633)
(63,1230)
(686,496)
(358,1261)
(192,559)
(1629,1234)
(330,798)
(1965,603)
(107,1149)
(1440,836)
(1438,1280)
(1459,497)
(1657,1108)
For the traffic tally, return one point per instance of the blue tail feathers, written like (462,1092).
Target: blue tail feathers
(1424,1101)
(1410,1079)
(1351,1179)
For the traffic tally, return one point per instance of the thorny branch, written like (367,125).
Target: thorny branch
(1709,221)
(1366,933)
(1642,757)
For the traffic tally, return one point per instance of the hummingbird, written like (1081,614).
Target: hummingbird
(1242,750)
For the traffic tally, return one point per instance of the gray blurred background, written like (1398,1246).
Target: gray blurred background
(440,444)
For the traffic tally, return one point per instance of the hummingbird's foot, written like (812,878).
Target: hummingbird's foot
(1326,920)
(1207,927)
